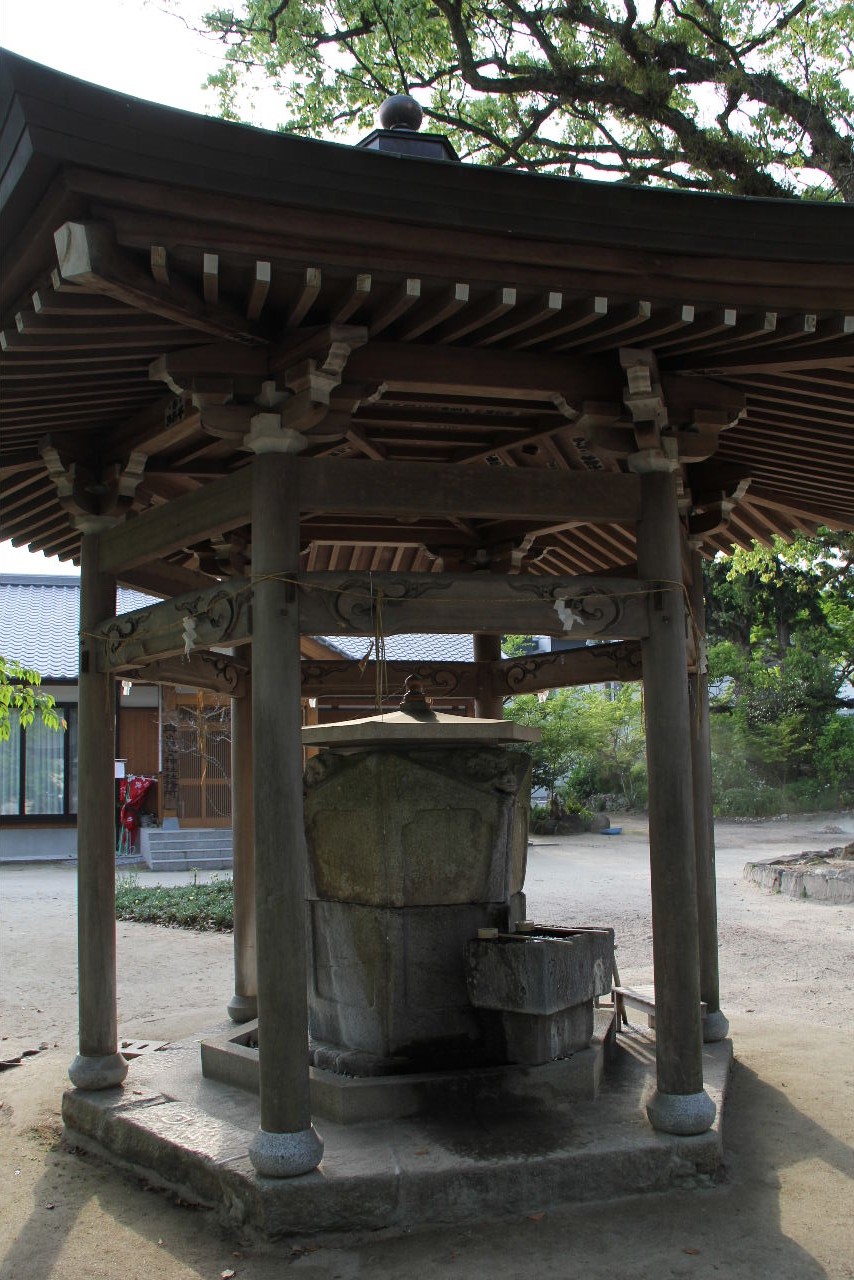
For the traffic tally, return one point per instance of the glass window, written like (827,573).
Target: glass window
(44,770)
(10,770)
(70,714)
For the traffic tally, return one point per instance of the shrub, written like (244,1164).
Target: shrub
(208,907)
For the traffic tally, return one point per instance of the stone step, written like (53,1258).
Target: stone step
(202,863)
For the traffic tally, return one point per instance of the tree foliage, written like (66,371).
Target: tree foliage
(745,96)
(781,622)
(20,694)
(592,742)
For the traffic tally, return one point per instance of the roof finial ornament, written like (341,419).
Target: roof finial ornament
(400,111)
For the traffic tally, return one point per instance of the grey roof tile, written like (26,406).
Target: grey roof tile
(412,648)
(39,621)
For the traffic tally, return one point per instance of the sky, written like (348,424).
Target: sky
(135,46)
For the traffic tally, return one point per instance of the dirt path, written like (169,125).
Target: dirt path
(783,1209)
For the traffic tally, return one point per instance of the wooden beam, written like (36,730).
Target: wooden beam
(88,255)
(447,304)
(513,375)
(260,288)
(353,300)
(219,616)
(305,299)
(385,489)
(163,578)
(218,506)
(400,301)
(595,664)
(580,607)
(217,672)
(357,603)
(443,490)
(347,678)
(160,264)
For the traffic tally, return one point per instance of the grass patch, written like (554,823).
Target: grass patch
(184,906)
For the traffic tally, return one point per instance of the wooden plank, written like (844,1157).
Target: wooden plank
(218,506)
(444,490)
(88,255)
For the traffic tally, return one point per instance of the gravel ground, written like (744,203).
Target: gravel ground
(783,1209)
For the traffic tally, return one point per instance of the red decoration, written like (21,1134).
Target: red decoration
(132,793)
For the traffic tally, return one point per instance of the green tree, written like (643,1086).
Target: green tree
(611,755)
(556,751)
(20,693)
(746,96)
(592,741)
(781,619)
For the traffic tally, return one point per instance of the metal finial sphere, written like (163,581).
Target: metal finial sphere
(400,112)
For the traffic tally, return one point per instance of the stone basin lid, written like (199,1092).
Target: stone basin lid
(416,724)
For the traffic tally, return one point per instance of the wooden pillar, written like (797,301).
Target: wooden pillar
(286,1143)
(243,1005)
(487,648)
(715,1025)
(98,1065)
(680,1104)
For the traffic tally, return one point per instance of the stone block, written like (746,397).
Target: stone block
(530,974)
(417,827)
(534,1038)
(392,981)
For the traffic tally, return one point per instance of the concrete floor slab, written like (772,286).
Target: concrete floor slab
(469,1162)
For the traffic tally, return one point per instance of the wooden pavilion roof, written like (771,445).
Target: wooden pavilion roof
(160,265)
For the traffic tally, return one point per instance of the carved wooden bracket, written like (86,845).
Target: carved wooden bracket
(86,495)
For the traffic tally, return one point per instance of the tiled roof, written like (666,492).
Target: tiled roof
(39,621)
(413,648)
(39,625)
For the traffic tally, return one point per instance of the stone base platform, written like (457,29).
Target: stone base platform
(347,1099)
(473,1160)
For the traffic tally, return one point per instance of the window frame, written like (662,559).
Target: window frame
(67,817)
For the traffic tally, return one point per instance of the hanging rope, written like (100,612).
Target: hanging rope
(379,651)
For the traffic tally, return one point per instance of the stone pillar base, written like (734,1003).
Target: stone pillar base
(286,1155)
(242,1008)
(715,1027)
(682,1113)
(97,1073)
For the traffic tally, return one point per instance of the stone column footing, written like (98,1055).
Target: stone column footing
(97,1073)
(715,1027)
(242,1008)
(681,1113)
(286,1155)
